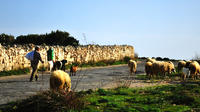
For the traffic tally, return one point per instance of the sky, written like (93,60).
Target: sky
(155,28)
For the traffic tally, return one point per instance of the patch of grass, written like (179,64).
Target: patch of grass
(153,99)
(119,62)
(168,98)
(101,63)
(15,72)
(142,77)
(126,59)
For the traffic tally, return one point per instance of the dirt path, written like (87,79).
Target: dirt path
(19,87)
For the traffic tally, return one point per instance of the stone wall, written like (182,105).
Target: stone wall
(13,57)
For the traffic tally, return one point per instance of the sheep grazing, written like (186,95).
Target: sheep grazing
(60,80)
(132,66)
(194,68)
(73,70)
(148,69)
(161,67)
(181,64)
(168,67)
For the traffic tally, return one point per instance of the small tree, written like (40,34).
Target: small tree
(54,38)
(6,39)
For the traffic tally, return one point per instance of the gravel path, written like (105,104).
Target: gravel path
(18,87)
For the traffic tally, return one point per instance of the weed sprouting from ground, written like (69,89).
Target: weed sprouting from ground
(79,78)
(123,80)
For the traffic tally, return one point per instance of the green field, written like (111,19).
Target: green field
(170,98)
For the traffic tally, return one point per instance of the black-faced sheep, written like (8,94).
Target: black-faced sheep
(59,65)
(132,66)
(60,80)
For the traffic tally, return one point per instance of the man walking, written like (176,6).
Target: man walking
(34,64)
(50,58)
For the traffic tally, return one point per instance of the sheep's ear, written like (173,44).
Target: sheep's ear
(169,62)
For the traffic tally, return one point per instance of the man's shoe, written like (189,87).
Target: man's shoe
(31,79)
(36,78)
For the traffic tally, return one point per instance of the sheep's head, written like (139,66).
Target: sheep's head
(173,70)
(171,67)
(187,64)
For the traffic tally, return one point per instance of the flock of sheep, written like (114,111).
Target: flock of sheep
(60,80)
(155,68)
(192,66)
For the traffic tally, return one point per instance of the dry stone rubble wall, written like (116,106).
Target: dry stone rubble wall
(13,57)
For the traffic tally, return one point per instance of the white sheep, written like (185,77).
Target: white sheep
(132,66)
(60,80)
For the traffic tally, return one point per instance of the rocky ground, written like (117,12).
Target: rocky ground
(18,87)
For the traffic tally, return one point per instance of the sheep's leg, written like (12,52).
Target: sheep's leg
(131,70)
(197,75)
(149,76)
(192,76)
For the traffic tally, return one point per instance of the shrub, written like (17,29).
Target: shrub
(127,58)
(48,101)
(181,99)
(166,59)
(159,58)
(101,91)
(54,38)
(100,63)
(144,58)
(6,39)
